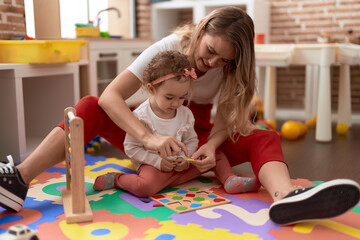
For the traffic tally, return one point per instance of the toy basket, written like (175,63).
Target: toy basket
(40,51)
(87,32)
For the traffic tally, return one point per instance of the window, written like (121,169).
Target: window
(71,12)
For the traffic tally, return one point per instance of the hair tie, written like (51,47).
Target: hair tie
(187,73)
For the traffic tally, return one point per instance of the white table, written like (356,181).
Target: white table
(347,55)
(33,98)
(322,55)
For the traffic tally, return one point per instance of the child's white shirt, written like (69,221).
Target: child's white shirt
(181,127)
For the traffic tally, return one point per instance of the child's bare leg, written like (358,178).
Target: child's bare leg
(50,152)
(274,176)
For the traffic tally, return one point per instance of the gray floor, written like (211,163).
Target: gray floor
(306,158)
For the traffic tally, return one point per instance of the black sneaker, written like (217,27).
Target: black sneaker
(12,189)
(326,200)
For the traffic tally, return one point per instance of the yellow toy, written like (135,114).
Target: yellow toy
(292,130)
(342,128)
(272,122)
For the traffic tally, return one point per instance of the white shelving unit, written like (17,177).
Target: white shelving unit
(166,15)
(108,58)
(34,97)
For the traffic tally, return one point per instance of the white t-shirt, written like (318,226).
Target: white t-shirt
(205,87)
(181,127)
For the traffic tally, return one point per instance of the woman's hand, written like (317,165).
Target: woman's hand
(167,165)
(181,165)
(166,146)
(204,158)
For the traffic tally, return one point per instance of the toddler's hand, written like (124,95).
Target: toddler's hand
(181,165)
(167,165)
(166,146)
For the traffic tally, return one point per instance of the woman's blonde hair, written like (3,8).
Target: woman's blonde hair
(238,84)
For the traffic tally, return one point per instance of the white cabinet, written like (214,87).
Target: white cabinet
(166,16)
(34,97)
(108,58)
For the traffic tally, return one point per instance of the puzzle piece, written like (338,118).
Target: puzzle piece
(356,209)
(32,214)
(138,202)
(256,219)
(238,217)
(111,165)
(51,190)
(117,205)
(44,178)
(262,194)
(92,160)
(304,182)
(170,230)
(60,168)
(105,226)
(322,229)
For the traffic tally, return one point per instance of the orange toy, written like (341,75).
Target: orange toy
(311,122)
(292,130)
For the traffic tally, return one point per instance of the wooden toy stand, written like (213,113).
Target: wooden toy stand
(76,205)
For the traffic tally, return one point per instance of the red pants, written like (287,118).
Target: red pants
(260,147)
(150,180)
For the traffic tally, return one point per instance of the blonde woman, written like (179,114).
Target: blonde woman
(168,79)
(221,49)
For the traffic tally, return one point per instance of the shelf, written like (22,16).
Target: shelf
(108,58)
(35,96)
(166,16)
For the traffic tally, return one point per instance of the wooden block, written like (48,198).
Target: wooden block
(72,217)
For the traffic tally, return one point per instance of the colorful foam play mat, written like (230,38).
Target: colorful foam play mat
(116,214)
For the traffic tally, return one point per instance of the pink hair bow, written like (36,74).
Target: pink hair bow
(191,73)
(187,72)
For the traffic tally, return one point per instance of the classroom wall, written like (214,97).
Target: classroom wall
(12,19)
(143,23)
(292,21)
(301,21)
